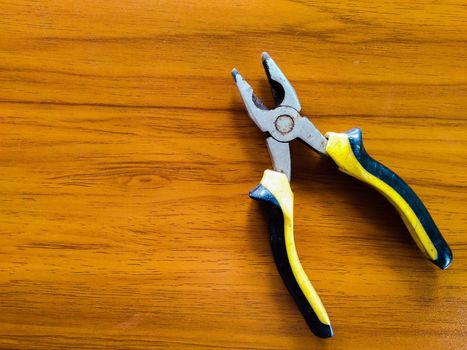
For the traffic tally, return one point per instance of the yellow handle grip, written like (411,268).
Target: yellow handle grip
(347,150)
(275,190)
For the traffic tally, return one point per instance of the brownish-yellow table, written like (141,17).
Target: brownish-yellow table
(126,157)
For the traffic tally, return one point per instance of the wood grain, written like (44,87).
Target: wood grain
(126,156)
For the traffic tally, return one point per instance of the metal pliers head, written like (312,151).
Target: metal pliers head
(284,122)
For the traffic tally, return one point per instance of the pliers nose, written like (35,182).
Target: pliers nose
(282,92)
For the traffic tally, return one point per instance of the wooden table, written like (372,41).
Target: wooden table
(126,156)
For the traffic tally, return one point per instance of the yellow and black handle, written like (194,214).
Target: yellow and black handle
(275,191)
(347,150)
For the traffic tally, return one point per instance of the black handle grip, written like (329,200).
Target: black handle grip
(348,152)
(300,288)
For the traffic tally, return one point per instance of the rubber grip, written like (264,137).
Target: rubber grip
(274,190)
(347,150)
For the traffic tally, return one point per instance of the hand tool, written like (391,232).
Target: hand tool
(283,124)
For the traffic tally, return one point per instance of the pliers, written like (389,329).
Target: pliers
(283,124)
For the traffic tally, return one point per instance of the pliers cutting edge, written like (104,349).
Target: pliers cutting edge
(282,125)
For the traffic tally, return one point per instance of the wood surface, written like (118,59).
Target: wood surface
(126,156)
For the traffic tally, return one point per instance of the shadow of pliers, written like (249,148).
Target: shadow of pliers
(284,124)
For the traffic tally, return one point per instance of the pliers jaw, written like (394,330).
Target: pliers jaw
(282,91)
(283,123)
